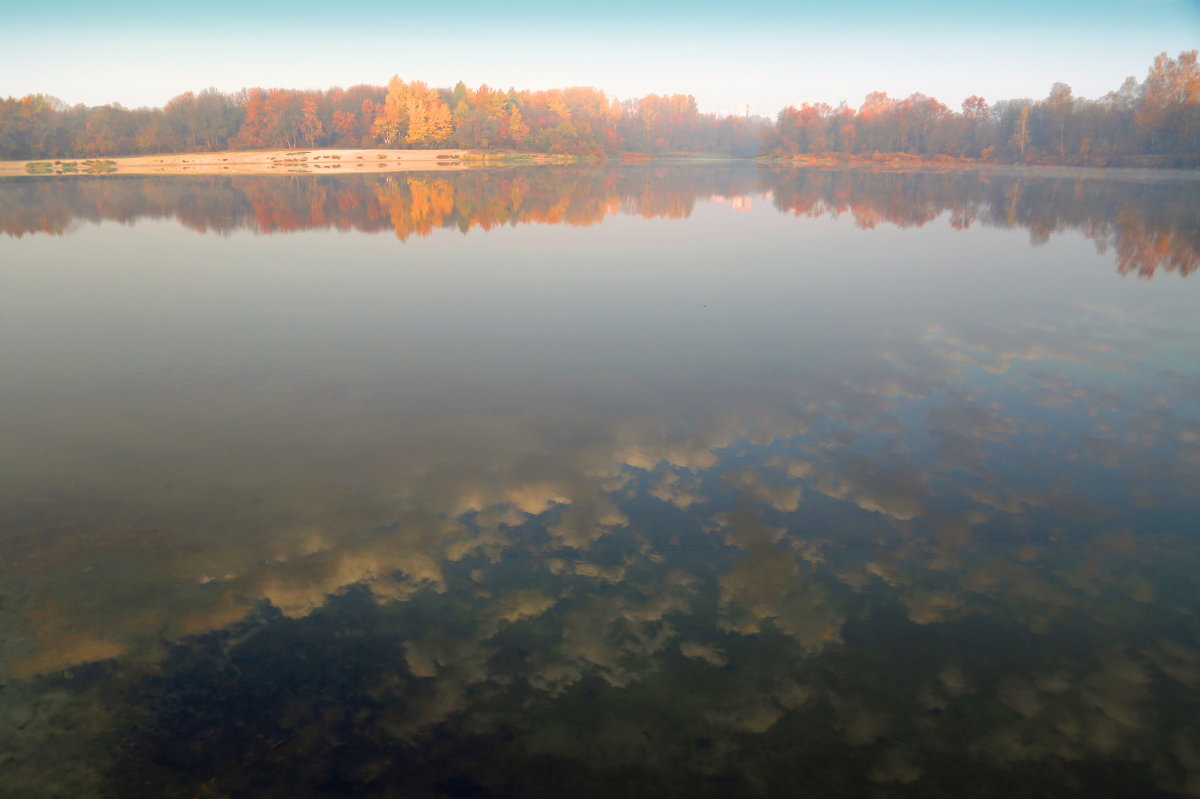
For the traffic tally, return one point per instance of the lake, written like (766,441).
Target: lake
(695,480)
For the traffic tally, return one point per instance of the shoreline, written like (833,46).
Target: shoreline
(265,162)
(361,161)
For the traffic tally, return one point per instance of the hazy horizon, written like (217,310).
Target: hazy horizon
(765,55)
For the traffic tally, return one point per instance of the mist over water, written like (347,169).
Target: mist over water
(683,480)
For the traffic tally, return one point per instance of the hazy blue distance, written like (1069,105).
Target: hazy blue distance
(765,54)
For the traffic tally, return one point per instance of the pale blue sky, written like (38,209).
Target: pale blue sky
(762,52)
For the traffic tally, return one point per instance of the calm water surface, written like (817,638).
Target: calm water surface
(640,481)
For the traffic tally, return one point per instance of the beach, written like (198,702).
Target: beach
(246,162)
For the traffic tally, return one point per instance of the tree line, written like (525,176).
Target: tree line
(578,120)
(1156,121)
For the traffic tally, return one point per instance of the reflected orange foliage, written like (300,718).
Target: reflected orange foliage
(1143,251)
(1150,226)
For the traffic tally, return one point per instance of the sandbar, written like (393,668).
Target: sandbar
(249,162)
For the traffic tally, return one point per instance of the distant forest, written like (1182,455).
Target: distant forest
(1155,122)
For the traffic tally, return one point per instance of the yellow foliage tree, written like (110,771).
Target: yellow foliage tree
(392,122)
(429,118)
(517,129)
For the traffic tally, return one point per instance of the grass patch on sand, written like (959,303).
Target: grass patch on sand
(90,167)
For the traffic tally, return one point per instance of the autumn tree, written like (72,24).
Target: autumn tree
(518,131)
(1014,125)
(29,127)
(206,121)
(876,130)
(807,128)
(1058,107)
(391,121)
(1169,117)
(977,118)
(925,120)
(311,129)
(351,114)
(428,116)
(109,130)
(480,117)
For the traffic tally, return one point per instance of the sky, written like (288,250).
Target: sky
(761,54)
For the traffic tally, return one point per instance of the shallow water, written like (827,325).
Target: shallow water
(685,480)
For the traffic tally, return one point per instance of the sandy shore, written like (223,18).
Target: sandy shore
(256,162)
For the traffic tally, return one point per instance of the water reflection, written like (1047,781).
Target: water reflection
(1148,219)
(774,505)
